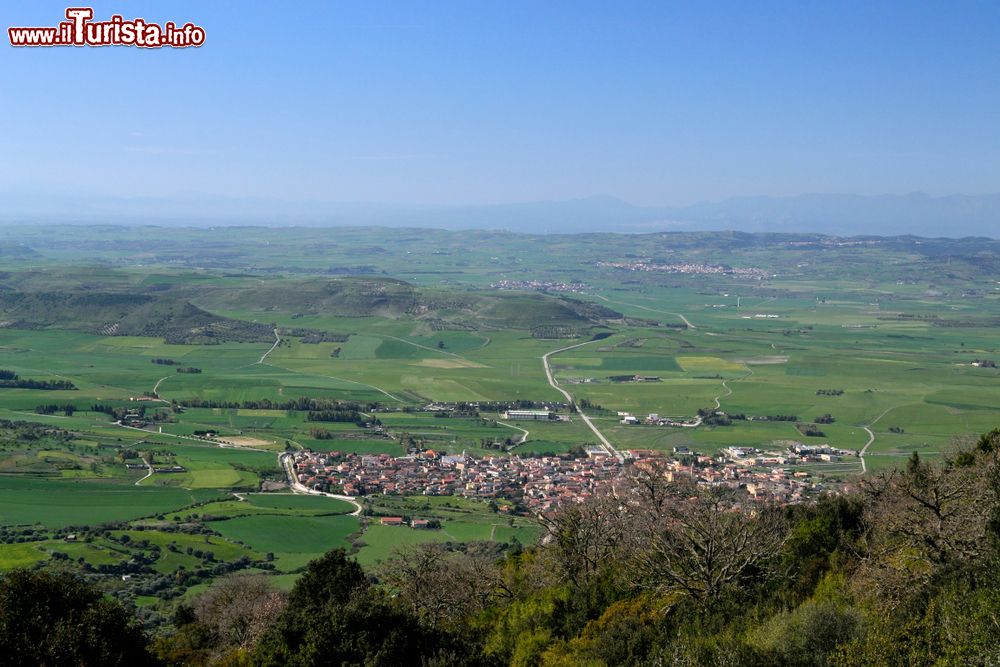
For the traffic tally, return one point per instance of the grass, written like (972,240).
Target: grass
(290,538)
(915,372)
(462,520)
(56,504)
(291,502)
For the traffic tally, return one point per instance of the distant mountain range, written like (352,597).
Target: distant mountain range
(841,215)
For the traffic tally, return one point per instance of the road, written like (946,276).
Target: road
(681,316)
(524,433)
(286,460)
(871,439)
(148,474)
(169,435)
(277,341)
(156,387)
(608,447)
(424,347)
(333,377)
(729,391)
(684,319)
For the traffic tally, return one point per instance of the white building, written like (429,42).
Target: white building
(529,414)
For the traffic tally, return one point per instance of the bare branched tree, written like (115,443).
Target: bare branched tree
(924,517)
(698,541)
(238,609)
(584,539)
(444,587)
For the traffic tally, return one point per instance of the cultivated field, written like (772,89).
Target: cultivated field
(886,344)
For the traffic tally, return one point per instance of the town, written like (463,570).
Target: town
(531,485)
(541,285)
(690,268)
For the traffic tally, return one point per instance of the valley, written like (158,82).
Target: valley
(194,365)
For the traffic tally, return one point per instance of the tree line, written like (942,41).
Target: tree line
(12,380)
(303,404)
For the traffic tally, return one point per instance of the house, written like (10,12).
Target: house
(419,523)
(391,521)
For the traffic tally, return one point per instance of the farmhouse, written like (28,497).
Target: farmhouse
(528,415)
(391,521)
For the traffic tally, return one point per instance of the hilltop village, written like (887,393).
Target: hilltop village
(538,484)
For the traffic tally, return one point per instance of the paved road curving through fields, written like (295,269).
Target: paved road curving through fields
(608,447)
(871,438)
(277,342)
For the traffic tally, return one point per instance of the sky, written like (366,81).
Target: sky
(477,102)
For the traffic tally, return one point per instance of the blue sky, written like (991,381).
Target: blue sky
(481,102)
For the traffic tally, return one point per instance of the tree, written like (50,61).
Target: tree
(335,616)
(223,624)
(56,619)
(239,609)
(927,517)
(809,633)
(585,539)
(444,588)
(700,542)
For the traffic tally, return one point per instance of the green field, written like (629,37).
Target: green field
(881,334)
(55,504)
(294,540)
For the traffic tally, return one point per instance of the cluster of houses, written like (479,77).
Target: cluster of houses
(159,469)
(543,285)
(420,524)
(540,484)
(533,410)
(775,484)
(537,484)
(134,419)
(654,419)
(634,378)
(693,268)
(796,453)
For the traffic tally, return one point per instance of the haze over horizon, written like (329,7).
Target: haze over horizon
(452,105)
(914,214)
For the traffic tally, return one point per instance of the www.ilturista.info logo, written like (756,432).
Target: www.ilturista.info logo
(81,30)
